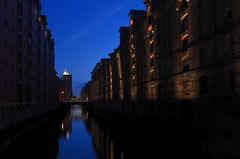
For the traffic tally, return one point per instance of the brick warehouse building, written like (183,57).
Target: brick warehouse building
(85,94)
(101,85)
(117,76)
(179,50)
(197,48)
(27,54)
(138,71)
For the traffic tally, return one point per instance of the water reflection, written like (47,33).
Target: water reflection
(78,134)
(64,136)
(116,141)
(75,140)
(38,143)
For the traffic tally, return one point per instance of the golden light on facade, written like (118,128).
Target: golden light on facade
(132,46)
(152,85)
(119,66)
(152,70)
(184,35)
(151,41)
(184,57)
(184,14)
(131,23)
(148,9)
(150,28)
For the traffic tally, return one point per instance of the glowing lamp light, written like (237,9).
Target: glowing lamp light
(66,73)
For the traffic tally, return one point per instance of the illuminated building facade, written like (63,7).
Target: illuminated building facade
(138,72)
(102,81)
(117,76)
(152,51)
(27,54)
(179,50)
(86,92)
(125,61)
(199,49)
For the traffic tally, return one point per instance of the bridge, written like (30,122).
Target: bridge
(71,102)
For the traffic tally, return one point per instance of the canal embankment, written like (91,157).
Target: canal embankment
(16,120)
(210,119)
(215,128)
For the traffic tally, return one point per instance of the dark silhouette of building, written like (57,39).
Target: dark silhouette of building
(27,54)
(65,91)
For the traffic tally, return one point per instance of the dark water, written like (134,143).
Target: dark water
(77,134)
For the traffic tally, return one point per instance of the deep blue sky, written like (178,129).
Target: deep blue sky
(85,31)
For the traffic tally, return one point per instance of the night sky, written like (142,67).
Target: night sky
(85,31)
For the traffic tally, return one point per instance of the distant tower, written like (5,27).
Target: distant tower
(67,81)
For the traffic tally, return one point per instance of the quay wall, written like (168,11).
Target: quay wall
(14,114)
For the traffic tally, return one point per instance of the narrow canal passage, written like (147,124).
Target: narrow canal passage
(78,134)
(64,136)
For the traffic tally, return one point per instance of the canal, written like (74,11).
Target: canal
(78,134)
